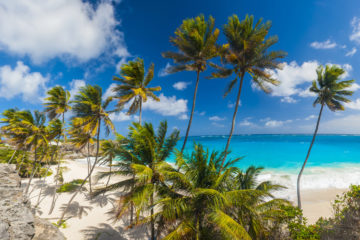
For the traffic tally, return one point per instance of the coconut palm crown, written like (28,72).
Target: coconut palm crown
(329,88)
(247,51)
(134,86)
(57,102)
(195,40)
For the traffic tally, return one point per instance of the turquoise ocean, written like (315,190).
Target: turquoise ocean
(334,161)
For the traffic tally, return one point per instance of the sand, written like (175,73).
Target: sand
(90,219)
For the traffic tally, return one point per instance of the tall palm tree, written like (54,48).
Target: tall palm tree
(56,105)
(33,127)
(195,40)
(247,51)
(331,91)
(133,86)
(148,150)
(90,113)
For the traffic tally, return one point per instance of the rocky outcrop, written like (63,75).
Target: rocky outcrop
(16,219)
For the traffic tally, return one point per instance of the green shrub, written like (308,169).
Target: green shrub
(70,186)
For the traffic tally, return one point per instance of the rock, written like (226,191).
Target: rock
(44,229)
(17,222)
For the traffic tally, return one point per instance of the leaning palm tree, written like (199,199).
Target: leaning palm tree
(196,41)
(56,105)
(146,151)
(133,86)
(33,127)
(90,113)
(247,51)
(330,91)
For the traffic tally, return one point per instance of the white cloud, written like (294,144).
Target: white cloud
(20,81)
(288,99)
(121,117)
(344,125)
(355,35)
(246,122)
(202,113)
(109,91)
(354,87)
(181,85)
(295,79)
(183,117)
(276,123)
(75,86)
(232,104)
(163,71)
(353,105)
(217,124)
(60,28)
(328,44)
(351,52)
(310,117)
(168,106)
(216,118)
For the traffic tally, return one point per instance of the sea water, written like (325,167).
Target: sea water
(334,161)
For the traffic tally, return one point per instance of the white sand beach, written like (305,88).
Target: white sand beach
(90,218)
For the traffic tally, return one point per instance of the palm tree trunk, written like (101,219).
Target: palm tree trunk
(140,110)
(233,120)
(42,186)
(20,165)
(12,156)
(56,181)
(152,216)
(87,177)
(307,156)
(33,173)
(89,167)
(57,170)
(192,111)
(107,183)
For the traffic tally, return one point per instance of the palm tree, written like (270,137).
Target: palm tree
(247,51)
(196,42)
(56,105)
(330,91)
(200,202)
(9,121)
(90,113)
(81,139)
(260,211)
(147,151)
(134,86)
(53,130)
(33,127)
(109,149)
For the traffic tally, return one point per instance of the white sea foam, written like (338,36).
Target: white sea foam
(313,178)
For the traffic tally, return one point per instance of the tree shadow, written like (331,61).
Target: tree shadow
(108,232)
(76,210)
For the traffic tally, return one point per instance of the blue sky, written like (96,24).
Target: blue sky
(74,42)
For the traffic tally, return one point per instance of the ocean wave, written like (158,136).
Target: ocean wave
(314,178)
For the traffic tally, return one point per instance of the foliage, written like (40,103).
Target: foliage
(70,186)
(133,85)
(330,89)
(346,220)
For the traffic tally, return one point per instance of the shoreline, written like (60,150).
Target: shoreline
(94,213)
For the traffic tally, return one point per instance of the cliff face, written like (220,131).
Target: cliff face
(16,219)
